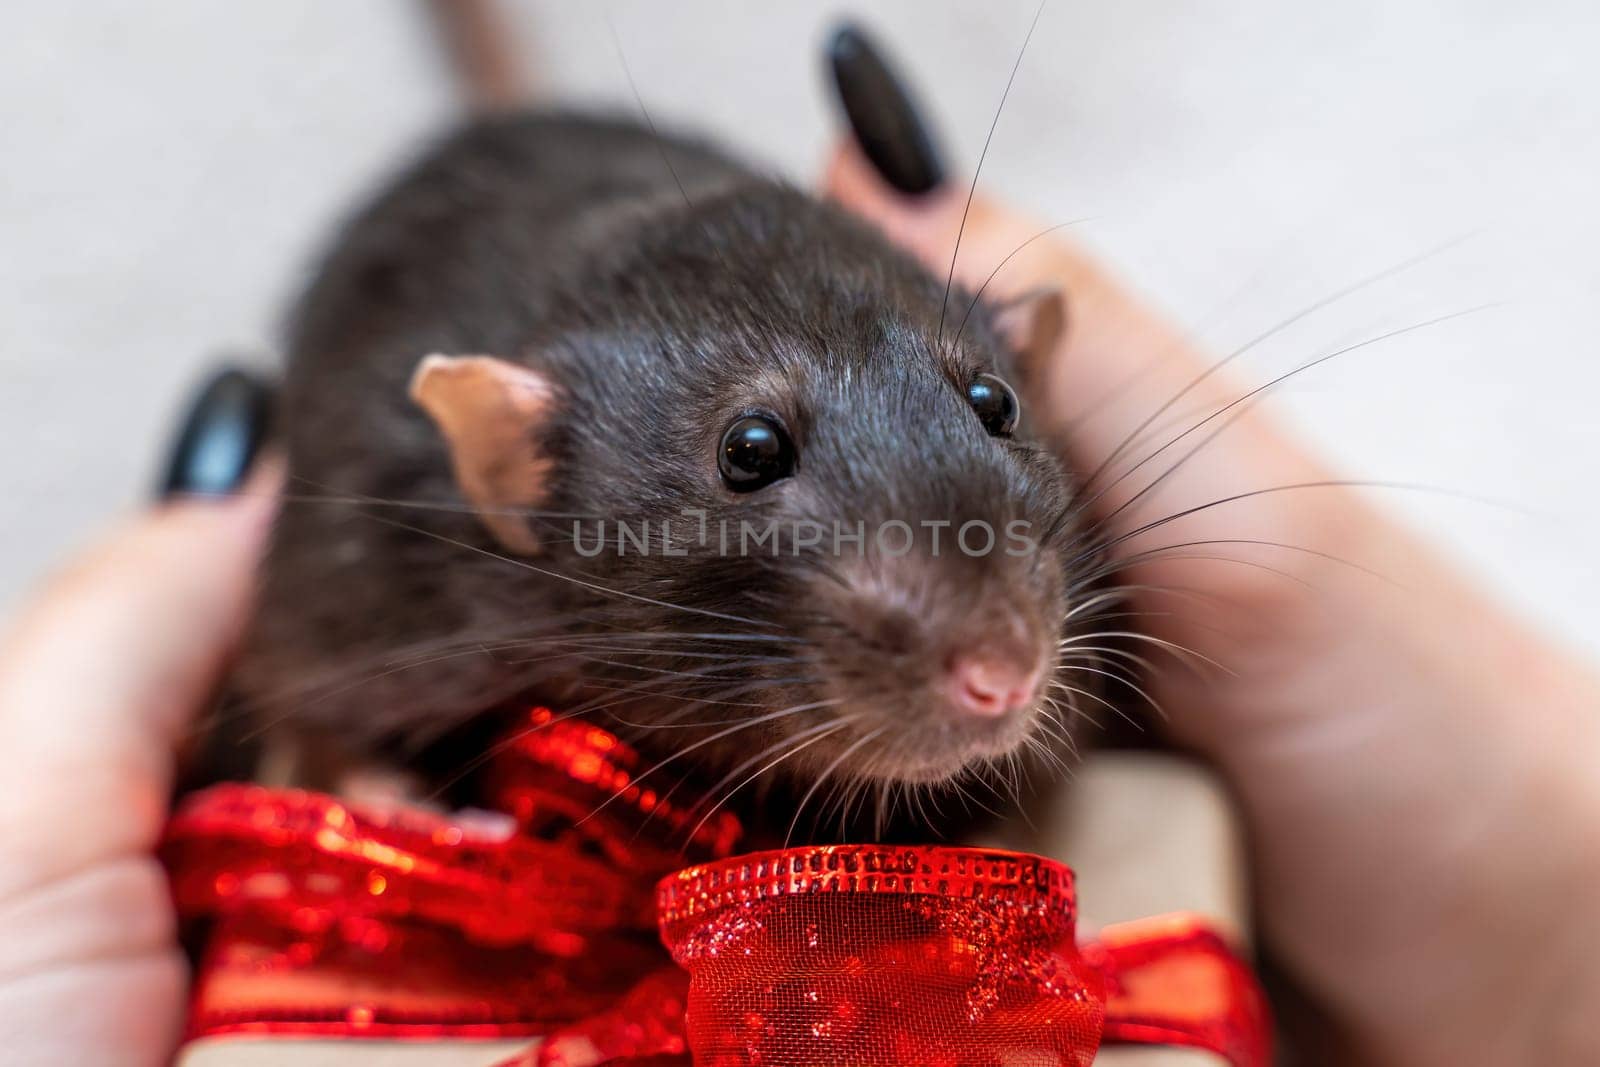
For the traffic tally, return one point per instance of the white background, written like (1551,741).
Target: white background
(167,169)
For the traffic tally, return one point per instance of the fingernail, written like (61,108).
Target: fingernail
(884,117)
(221,435)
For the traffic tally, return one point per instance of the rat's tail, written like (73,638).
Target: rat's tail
(482,53)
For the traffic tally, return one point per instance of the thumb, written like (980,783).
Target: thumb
(101,673)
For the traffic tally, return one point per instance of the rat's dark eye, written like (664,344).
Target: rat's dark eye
(755,452)
(995,404)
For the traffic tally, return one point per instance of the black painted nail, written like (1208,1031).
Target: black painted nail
(885,118)
(221,435)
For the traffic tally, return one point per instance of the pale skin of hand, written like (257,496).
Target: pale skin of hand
(100,678)
(1419,773)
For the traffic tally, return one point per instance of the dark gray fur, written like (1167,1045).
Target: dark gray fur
(662,314)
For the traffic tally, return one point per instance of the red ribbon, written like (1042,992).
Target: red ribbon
(322,918)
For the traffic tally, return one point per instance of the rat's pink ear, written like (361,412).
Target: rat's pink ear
(490,412)
(1031,326)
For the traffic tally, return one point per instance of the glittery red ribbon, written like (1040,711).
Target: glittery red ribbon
(322,918)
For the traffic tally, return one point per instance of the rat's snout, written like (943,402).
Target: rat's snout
(989,682)
(949,659)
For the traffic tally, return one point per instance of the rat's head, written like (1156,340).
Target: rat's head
(807,524)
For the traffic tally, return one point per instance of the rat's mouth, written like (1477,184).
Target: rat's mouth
(890,747)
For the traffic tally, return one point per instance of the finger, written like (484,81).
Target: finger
(100,673)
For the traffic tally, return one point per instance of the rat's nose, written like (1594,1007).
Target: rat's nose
(988,684)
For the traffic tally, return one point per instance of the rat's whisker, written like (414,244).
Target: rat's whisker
(1069,693)
(978,296)
(283,694)
(792,746)
(1117,671)
(668,793)
(1054,726)
(827,773)
(721,667)
(967,798)
(494,750)
(1181,651)
(546,572)
(1215,558)
(446,506)
(656,684)
(584,645)
(1124,680)
(1111,597)
(697,745)
(972,190)
(1246,399)
(699,672)
(1329,483)
(1156,553)
(1274,330)
(1107,650)
(678,725)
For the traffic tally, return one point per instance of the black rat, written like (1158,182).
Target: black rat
(583,414)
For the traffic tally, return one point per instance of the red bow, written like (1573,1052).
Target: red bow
(328,919)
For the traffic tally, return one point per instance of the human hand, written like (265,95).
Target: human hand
(100,676)
(1418,771)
